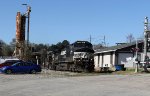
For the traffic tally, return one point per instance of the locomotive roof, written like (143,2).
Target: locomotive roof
(83,42)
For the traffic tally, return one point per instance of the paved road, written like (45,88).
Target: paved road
(50,85)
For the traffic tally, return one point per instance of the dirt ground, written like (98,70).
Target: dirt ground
(51,83)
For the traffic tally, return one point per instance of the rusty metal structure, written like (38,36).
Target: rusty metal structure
(20,27)
(22,47)
(20,36)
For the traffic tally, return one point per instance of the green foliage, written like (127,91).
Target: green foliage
(59,46)
(39,47)
(7,49)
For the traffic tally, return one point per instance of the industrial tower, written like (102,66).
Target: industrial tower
(22,47)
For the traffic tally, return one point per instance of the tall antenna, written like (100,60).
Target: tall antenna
(104,41)
(90,39)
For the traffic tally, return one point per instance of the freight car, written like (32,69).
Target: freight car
(78,57)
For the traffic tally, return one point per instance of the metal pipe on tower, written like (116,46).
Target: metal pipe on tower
(28,26)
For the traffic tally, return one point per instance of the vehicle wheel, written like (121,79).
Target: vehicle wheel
(8,71)
(33,71)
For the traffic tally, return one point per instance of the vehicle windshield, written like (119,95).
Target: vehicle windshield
(15,64)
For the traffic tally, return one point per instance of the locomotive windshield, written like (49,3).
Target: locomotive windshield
(82,44)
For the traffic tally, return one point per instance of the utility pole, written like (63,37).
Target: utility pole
(27,14)
(146,32)
(0,48)
(90,39)
(136,57)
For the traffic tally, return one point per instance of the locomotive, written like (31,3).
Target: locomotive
(77,57)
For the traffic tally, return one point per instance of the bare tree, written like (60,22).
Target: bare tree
(130,38)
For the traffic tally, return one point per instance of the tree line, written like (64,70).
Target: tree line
(8,49)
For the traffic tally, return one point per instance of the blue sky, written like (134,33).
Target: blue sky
(53,21)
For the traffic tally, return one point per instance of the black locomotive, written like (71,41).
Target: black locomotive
(77,57)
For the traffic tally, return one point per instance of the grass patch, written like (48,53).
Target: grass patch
(129,71)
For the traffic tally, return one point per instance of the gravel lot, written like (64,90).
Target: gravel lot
(51,83)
